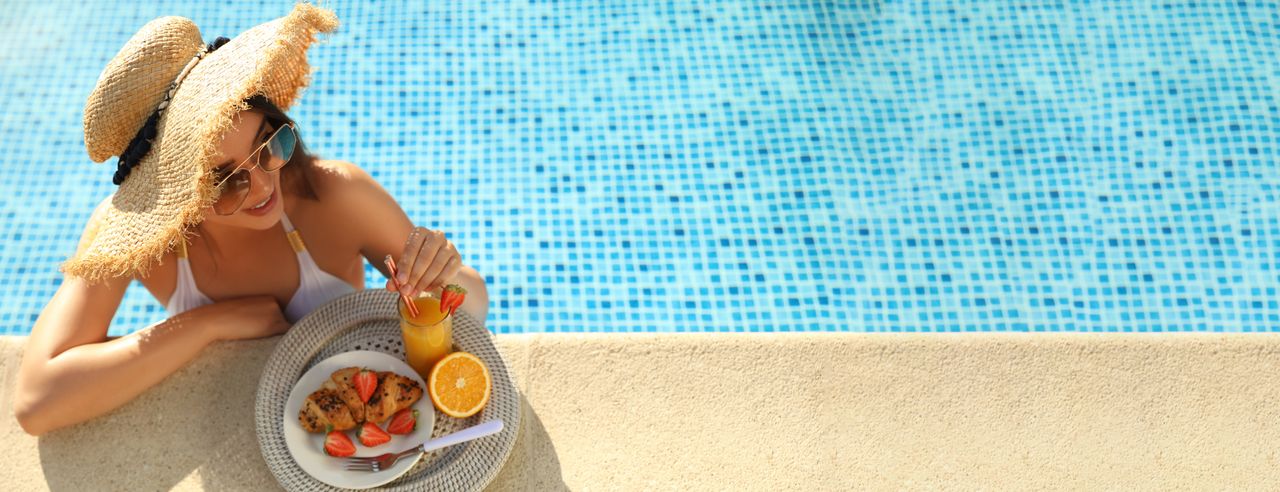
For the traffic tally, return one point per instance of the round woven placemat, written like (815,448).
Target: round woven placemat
(368,320)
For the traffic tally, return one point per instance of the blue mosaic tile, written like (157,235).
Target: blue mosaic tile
(749,166)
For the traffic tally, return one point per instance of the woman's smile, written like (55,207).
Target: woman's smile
(264,206)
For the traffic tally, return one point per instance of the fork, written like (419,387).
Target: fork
(385,461)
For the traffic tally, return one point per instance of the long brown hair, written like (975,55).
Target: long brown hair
(296,176)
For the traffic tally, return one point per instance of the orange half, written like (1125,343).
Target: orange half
(459,385)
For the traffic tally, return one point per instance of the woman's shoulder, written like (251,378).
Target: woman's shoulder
(328,180)
(337,176)
(352,196)
(345,183)
(346,191)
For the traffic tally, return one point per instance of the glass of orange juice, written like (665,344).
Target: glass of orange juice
(427,337)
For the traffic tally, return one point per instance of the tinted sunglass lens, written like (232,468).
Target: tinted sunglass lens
(234,191)
(281,146)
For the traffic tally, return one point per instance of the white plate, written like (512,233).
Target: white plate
(307,448)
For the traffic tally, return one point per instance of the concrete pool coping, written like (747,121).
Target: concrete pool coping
(761,411)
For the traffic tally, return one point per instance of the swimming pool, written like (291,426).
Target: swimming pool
(753,165)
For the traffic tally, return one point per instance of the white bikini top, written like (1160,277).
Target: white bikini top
(314,289)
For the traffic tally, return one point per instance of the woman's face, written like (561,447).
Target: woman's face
(248,132)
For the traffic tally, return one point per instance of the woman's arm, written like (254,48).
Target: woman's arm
(384,227)
(72,372)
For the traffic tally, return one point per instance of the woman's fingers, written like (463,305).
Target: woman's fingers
(432,278)
(411,247)
(428,261)
(450,271)
(431,246)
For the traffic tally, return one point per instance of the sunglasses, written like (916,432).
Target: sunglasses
(233,186)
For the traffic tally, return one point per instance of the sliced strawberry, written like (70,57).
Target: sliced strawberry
(336,443)
(446,296)
(403,422)
(366,382)
(455,295)
(371,435)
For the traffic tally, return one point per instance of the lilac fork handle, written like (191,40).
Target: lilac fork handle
(464,435)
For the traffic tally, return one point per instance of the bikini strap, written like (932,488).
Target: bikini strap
(288,226)
(295,239)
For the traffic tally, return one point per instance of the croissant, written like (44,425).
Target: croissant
(394,392)
(324,409)
(340,381)
(337,406)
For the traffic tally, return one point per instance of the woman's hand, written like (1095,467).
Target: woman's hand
(244,318)
(428,262)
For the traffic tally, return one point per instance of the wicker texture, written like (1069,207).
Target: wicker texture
(134,83)
(368,320)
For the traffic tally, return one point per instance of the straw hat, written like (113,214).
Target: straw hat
(164,192)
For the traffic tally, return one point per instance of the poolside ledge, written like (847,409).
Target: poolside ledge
(761,412)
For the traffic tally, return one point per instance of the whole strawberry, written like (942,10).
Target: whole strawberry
(451,297)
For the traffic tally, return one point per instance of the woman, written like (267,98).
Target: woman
(221,214)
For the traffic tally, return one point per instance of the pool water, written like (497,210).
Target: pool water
(748,166)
